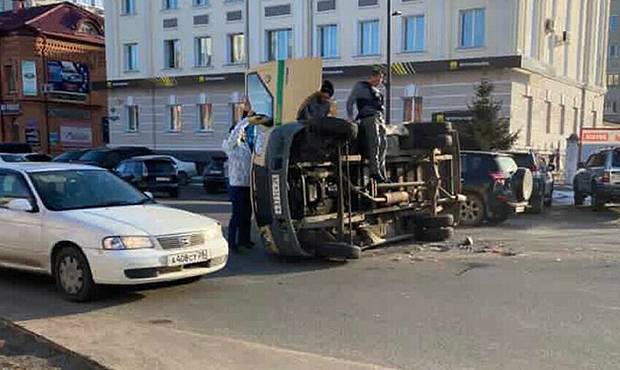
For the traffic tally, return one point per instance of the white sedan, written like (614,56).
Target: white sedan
(86,227)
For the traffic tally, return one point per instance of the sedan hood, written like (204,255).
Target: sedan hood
(139,220)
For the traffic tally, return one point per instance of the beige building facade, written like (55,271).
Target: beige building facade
(176,71)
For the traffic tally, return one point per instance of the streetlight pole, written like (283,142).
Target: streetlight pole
(388,80)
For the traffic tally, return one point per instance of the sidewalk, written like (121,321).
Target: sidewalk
(119,344)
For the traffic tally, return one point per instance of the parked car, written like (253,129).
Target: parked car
(151,173)
(215,176)
(185,170)
(11,158)
(110,157)
(86,227)
(15,148)
(495,187)
(542,193)
(70,156)
(599,179)
(36,157)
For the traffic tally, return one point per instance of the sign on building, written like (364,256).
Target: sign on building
(29,78)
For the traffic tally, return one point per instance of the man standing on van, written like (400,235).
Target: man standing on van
(370,104)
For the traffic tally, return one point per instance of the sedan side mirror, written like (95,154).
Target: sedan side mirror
(21,205)
(149,195)
(581,165)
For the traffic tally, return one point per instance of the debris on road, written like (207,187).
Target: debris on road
(468,242)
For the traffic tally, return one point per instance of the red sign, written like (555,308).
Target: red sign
(601,136)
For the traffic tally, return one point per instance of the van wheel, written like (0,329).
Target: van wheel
(73,277)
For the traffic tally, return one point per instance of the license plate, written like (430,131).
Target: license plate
(188,258)
(162,179)
(519,209)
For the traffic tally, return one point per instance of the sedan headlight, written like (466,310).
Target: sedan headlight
(213,232)
(127,242)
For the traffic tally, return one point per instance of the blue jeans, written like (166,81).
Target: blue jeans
(240,226)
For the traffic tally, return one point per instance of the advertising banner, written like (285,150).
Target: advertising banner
(76,136)
(29,78)
(68,78)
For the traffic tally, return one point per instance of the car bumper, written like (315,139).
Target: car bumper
(143,266)
(610,192)
(505,204)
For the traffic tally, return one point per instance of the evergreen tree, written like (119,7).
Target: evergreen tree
(488,131)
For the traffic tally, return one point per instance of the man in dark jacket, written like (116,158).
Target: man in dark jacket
(370,104)
(317,105)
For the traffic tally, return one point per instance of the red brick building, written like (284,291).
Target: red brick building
(49,57)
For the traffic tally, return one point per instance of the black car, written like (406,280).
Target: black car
(111,157)
(215,176)
(154,174)
(495,187)
(37,157)
(599,179)
(16,148)
(70,156)
(542,194)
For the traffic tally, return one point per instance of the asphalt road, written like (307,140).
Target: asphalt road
(554,305)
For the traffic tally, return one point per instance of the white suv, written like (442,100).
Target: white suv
(85,226)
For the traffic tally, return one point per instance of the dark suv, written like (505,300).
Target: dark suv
(215,177)
(542,193)
(599,178)
(495,187)
(154,174)
(110,157)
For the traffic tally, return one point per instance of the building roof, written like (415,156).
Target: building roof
(61,19)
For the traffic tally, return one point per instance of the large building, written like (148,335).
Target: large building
(612,103)
(92,5)
(49,56)
(175,68)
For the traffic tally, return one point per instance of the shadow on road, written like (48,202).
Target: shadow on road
(26,296)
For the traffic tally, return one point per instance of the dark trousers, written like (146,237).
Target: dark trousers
(376,143)
(240,226)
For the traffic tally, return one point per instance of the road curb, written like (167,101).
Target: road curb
(84,362)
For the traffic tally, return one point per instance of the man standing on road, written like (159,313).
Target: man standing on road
(239,152)
(370,104)
(317,105)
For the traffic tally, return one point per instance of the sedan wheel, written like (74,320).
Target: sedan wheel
(472,211)
(73,276)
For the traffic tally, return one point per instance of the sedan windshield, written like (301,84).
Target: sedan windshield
(79,189)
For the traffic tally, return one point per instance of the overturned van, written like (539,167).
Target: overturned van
(311,190)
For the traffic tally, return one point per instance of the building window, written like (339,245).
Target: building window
(614,23)
(201,3)
(369,38)
(133,117)
(131,57)
(170,4)
(548,117)
(613,79)
(575,120)
(11,78)
(202,51)
(236,45)
(614,50)
(472,28)
(172,54)
(237,112)
(205,117)
(129,7)
(414,35)
(325,5)
(562,119)
(280,44)
(175,123)
(328,41)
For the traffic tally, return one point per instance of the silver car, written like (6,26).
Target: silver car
(599,178)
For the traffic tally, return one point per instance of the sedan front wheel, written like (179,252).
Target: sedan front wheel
(73,276)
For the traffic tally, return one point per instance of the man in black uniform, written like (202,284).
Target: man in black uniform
(370,104)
